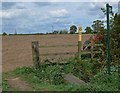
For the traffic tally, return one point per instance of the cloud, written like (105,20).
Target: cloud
(10,13)
(24,20)
(42,4)
(40,16)
(24,5)
(60,0)
(59,13)
(20,6)
(93,9)
(10,9)
(7,5)
(5,14)
(96,6)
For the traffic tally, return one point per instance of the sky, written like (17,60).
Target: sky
(41,17)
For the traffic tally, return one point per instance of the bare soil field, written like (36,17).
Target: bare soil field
(17,51)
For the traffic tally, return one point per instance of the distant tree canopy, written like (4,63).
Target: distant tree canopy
(97,25)
(64,31)
(73,29)
(55,32)
(88,30)
(4,33)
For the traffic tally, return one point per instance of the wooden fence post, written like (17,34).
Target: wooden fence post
(35,54)
(92,43)
(79,42)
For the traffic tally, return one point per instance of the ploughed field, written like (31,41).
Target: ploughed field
(17,51)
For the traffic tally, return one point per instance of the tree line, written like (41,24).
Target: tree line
(96,27)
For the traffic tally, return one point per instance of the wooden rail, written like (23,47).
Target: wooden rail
(52,54)
(36,55)
(68,45)
(68,53)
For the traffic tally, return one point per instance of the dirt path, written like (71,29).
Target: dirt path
(18,84)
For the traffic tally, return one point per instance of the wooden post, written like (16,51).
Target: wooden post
(35,54)
(92,43)
(79,43)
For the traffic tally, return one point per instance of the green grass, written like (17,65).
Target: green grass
(51,77)
(5,85)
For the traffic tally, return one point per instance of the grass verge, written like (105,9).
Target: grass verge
(50,77)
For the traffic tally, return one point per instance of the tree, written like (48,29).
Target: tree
(104,11)
(97,25)
(4,33)
(111,13)
(115,39)
(55,32)
(64,31)
(88,30)
(73,29)
(114,36)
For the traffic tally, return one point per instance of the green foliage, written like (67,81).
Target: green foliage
(109,81)
(5,86)
(50,74)
(46,74)
(73,29)
(53,74)
(55,32)
(97,25)
(88,30)
(64,31)
(115,39)
(50,77)
(104,11)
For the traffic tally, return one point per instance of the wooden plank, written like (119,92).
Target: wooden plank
(66,53)
(69,45)
(79,50)
(70,53)
(35,54)
(89,52)
(94,44)
(70,78)
(98,44)
(87,46)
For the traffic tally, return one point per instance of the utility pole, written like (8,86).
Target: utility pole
(108,35)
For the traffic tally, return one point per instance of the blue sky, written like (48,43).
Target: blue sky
(42,17)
